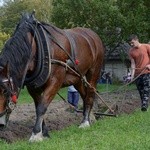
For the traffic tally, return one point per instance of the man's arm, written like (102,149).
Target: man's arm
(132,68)
(148,51)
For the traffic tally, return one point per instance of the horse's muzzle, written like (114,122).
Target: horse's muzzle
(3,121)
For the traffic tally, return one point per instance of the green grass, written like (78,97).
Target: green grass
(114,87)
(24,97)
(126,132)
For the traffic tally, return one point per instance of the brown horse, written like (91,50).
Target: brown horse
(45,58)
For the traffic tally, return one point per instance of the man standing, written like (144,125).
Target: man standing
(140,67)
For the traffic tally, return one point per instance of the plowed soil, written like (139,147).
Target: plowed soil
(22,118)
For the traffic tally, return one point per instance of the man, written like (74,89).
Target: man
(140,68)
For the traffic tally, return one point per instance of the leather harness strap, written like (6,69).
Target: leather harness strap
(72,44)
(43,63)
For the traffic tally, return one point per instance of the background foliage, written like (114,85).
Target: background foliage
(3,38)
(113,20)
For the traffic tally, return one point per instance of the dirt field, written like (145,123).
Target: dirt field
(22,118)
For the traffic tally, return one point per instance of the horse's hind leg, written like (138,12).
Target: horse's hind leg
(87,106)
(88,94)
(85,94)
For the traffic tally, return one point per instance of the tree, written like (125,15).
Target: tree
(113,20)
(3,38)
(136,19)
(12,10)
(103,17)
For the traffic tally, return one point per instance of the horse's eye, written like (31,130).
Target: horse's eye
(4,92)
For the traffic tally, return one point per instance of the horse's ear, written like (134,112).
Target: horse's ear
(6,71)
(33,13)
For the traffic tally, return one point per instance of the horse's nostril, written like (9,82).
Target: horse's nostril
(3,121)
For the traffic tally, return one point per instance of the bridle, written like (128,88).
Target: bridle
(9,95)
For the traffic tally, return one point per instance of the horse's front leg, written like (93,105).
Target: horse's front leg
(42,101)
(40,130)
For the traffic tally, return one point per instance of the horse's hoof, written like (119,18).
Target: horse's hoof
(84,124)
(36,137)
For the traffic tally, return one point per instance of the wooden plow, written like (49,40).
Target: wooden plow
(111,111)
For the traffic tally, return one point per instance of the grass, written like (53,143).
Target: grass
(114,87)
(24,97)
(126,132)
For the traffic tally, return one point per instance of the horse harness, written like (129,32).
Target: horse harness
(43,65)
(44,61)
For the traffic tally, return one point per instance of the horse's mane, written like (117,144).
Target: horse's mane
(17,49)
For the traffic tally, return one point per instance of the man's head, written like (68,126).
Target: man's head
(134,41)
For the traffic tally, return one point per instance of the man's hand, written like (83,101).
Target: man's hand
(148,66)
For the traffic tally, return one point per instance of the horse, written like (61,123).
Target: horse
(45,58)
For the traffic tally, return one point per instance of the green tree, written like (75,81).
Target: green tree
(102,16)
(136,18)
(113,20)
(12,10)
(3,38)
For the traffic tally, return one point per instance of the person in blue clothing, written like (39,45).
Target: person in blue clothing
(73,96)
(108,78)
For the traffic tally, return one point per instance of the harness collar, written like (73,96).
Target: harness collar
(43,63)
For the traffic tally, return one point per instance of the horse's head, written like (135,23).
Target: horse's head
(17,50)
(7,97)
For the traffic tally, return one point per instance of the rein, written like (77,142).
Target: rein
(131,80)
(87,83)
(84,80)
(125,86)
